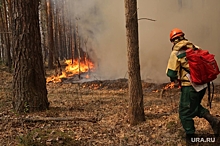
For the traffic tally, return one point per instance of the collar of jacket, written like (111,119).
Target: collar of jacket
(180,44)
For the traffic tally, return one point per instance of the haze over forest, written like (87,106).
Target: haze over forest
(103,23)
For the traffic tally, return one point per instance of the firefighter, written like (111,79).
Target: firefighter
(190,100)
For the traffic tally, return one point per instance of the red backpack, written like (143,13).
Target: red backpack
(203,66)
(203,69)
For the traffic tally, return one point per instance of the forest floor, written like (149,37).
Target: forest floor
(95,113)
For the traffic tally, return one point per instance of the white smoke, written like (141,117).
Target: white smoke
(103,22)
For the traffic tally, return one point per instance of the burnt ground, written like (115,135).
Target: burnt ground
(97,113)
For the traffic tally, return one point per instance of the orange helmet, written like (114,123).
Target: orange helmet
(176,33)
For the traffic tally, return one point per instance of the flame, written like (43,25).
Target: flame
(76,68)
(169,85)
(73,68)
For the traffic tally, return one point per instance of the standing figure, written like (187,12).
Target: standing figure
(190,99)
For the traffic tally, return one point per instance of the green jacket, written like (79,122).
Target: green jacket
(177,60)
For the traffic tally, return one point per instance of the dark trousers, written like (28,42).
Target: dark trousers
(190,107)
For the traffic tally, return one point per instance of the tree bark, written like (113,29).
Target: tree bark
(2,29)
(7,41)
(43,21)
(62,38)
(10,58)
(78,46)
(50,34)
(136,108)
(29,83)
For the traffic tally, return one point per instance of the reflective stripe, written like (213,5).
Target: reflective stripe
(181,54)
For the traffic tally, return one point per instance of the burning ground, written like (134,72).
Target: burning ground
(95,113)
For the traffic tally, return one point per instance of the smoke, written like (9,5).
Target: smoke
(103,23)
(198,19)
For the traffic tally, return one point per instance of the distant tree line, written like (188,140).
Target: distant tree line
(58,33)
(34,32)
(34,35)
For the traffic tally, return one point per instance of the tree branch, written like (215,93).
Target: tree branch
(40,119)
(146,19)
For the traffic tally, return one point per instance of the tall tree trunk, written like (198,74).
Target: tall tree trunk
(65,30)
(43,20)
(0,51)
(2,29)
(78,46)
(9,36)
(3,34)
(61,39)
(29,83)
(62,30)
(58,69)
(73,43)
(56,32)
(136,108)
(7,41)
(50,34)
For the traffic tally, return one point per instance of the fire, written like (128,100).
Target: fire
(76,68)
(169,85)
(173,85)
(73,68)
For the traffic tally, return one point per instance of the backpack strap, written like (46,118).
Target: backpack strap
(181,67)
(182,53)
(210,98)
(195,48)
(210,95)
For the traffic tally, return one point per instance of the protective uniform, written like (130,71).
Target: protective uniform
(190,100)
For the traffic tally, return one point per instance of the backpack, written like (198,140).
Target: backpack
(203,66)
(203,69)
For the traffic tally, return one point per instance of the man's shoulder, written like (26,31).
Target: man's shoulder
(180,45)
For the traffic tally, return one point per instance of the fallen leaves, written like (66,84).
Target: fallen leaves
(108,103)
